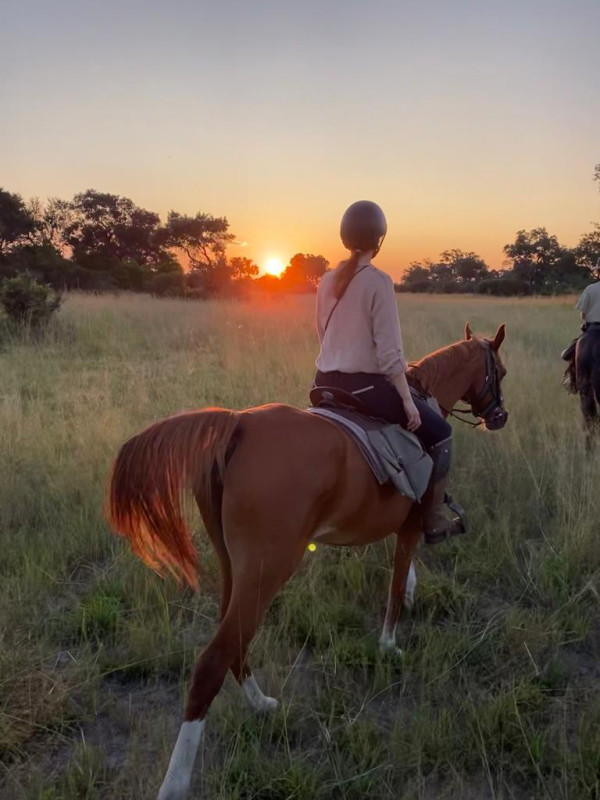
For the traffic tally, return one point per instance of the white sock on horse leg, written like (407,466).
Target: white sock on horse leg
(411,585)
(177,781)
(387,640)
(258,700)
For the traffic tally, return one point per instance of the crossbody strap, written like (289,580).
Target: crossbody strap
(337,302)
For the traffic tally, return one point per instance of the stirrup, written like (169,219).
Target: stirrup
(457,525)
(458,510)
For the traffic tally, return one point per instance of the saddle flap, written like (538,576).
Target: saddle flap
(401,453)
(393,453)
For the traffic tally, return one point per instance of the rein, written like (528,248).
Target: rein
(454,411)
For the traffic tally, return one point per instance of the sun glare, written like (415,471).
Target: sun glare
(274,266)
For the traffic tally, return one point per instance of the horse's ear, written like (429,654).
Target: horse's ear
(499,337)
(468,332)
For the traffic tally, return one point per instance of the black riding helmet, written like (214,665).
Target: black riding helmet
(363,227)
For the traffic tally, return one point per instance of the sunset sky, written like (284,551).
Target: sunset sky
(465,120)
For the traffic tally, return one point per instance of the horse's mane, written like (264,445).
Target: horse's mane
(425,371)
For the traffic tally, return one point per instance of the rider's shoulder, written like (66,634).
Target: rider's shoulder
(591,290)
(379,277)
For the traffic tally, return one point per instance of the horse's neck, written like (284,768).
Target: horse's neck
(445,374)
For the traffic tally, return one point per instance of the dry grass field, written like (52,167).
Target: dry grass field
(497,695)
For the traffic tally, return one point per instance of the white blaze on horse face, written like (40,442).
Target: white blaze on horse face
(176,784)
(258,700)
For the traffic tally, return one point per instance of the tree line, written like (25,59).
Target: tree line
(103,242)
(536,263)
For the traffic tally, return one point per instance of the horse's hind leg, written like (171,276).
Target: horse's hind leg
(239,668)
(270,573)
(254,585)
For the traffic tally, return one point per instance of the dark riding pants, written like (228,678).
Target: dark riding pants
(382,400)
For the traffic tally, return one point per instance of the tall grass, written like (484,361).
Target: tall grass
(497,695)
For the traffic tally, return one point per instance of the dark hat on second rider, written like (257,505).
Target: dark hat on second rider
(363,226)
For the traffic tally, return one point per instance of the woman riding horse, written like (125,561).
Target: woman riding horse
(582,376)
(270,480)
(361,353)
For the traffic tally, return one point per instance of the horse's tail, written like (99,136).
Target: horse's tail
(149,476)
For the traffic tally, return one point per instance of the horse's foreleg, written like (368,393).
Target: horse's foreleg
(402,587)
(411,585)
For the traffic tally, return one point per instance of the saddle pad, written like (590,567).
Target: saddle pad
(393,453)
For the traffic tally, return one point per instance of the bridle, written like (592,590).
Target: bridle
(492,415)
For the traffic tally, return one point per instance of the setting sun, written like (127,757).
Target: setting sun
(274,266)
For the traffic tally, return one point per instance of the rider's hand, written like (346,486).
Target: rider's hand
(414,418)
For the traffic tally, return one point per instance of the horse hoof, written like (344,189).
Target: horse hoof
(267,705)
(174,788)
(389,650)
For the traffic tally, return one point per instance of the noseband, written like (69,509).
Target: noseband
(491,385)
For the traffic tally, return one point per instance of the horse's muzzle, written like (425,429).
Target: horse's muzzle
(496,420)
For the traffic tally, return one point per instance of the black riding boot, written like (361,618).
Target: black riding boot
(570,377)
(568,354)
(437,525)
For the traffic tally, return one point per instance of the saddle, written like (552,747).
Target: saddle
(394,454)
(568,354)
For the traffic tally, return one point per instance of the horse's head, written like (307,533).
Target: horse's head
(484,393)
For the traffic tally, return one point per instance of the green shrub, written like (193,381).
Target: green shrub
(168,284)
(507,286)
(28,302)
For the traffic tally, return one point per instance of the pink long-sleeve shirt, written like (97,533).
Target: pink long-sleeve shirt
(363,334)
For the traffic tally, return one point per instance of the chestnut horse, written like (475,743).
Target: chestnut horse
(268,481)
